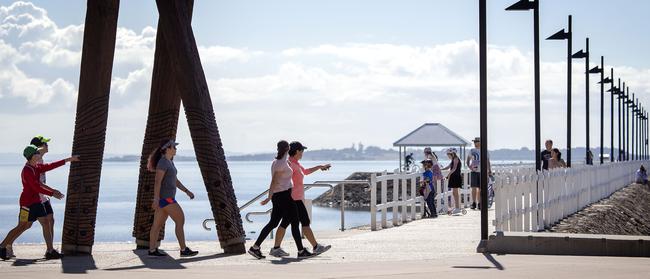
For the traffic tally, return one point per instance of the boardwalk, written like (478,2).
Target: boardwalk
(445,246)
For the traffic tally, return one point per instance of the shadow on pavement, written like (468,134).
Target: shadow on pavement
(285,260)
(166,262)
(490,258)
(78,264)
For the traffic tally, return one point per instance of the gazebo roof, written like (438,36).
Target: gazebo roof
(431,134)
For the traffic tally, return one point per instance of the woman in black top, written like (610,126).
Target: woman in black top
(455,180)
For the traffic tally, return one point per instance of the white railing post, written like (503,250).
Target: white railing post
(373,202)
(384,200)
(405,201)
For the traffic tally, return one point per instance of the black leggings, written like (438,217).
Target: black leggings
(283,208)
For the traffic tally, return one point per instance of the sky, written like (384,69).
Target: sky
(326,73)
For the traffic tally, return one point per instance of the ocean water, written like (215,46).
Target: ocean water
(118,192)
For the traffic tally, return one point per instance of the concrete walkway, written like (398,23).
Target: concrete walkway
(430,248)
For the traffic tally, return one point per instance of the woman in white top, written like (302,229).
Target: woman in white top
(283,204)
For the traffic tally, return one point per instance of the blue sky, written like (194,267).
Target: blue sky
(342,68)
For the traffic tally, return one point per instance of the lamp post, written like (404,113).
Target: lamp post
(562,35)
(610,80)
(578,55)
(525,5)
(597,70)
(483,120)
(631,142)
(622,96)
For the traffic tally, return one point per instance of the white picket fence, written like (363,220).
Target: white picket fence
(404,206)
(528,201)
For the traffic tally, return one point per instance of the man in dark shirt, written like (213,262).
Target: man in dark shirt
(546,154)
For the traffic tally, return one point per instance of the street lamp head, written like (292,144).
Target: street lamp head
(522,5)
(606,80)
(579,54)
(560,35)
(595,70)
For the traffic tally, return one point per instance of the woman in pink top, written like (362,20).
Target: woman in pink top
(296,150)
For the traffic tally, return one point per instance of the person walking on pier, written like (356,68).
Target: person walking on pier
(296,150)
(164,201)
(31,207)
(454,178)
(283,204)
(43,148)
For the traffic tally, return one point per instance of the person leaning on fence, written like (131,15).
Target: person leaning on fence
(642,176)
(546,154)
(556,160)
(454,178)
(429,192)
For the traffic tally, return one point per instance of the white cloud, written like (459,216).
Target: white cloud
(339,93)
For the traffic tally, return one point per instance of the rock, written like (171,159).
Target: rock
(626,212)
(356,196)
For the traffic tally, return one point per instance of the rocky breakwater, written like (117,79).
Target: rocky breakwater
(357,196)
(626,212)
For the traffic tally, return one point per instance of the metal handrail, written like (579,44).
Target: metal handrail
(307,187)
(326,184)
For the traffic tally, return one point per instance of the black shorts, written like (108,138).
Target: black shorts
(31,213)
(303,216)
(48,208)
(475,179)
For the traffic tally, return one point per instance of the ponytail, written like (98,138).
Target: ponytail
(283,147)
(155,156)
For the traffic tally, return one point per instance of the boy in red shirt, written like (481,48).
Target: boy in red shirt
(31,208)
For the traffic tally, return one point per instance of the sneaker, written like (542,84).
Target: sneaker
(188,252)
(456,211)
(156,253)
(3,254)
(305,254)
(319,249)
(473,206)
(278,252)
(10,252)
(53,255)
(256,253)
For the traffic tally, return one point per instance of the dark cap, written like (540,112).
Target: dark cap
(295,146)
(477,139)
(427,161)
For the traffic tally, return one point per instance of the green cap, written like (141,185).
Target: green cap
(39,141)
(29,151)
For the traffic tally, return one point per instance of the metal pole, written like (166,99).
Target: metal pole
(483,113)
(627,125)
(343,205)
(611,121)
(619,119)
(587,97)
(602,106)
(568,89)
(632,125)
(538,138)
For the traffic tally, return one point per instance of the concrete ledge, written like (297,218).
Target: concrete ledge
(569,244)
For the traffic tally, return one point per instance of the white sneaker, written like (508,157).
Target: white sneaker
(278,253)
(319,249)
(456,211)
